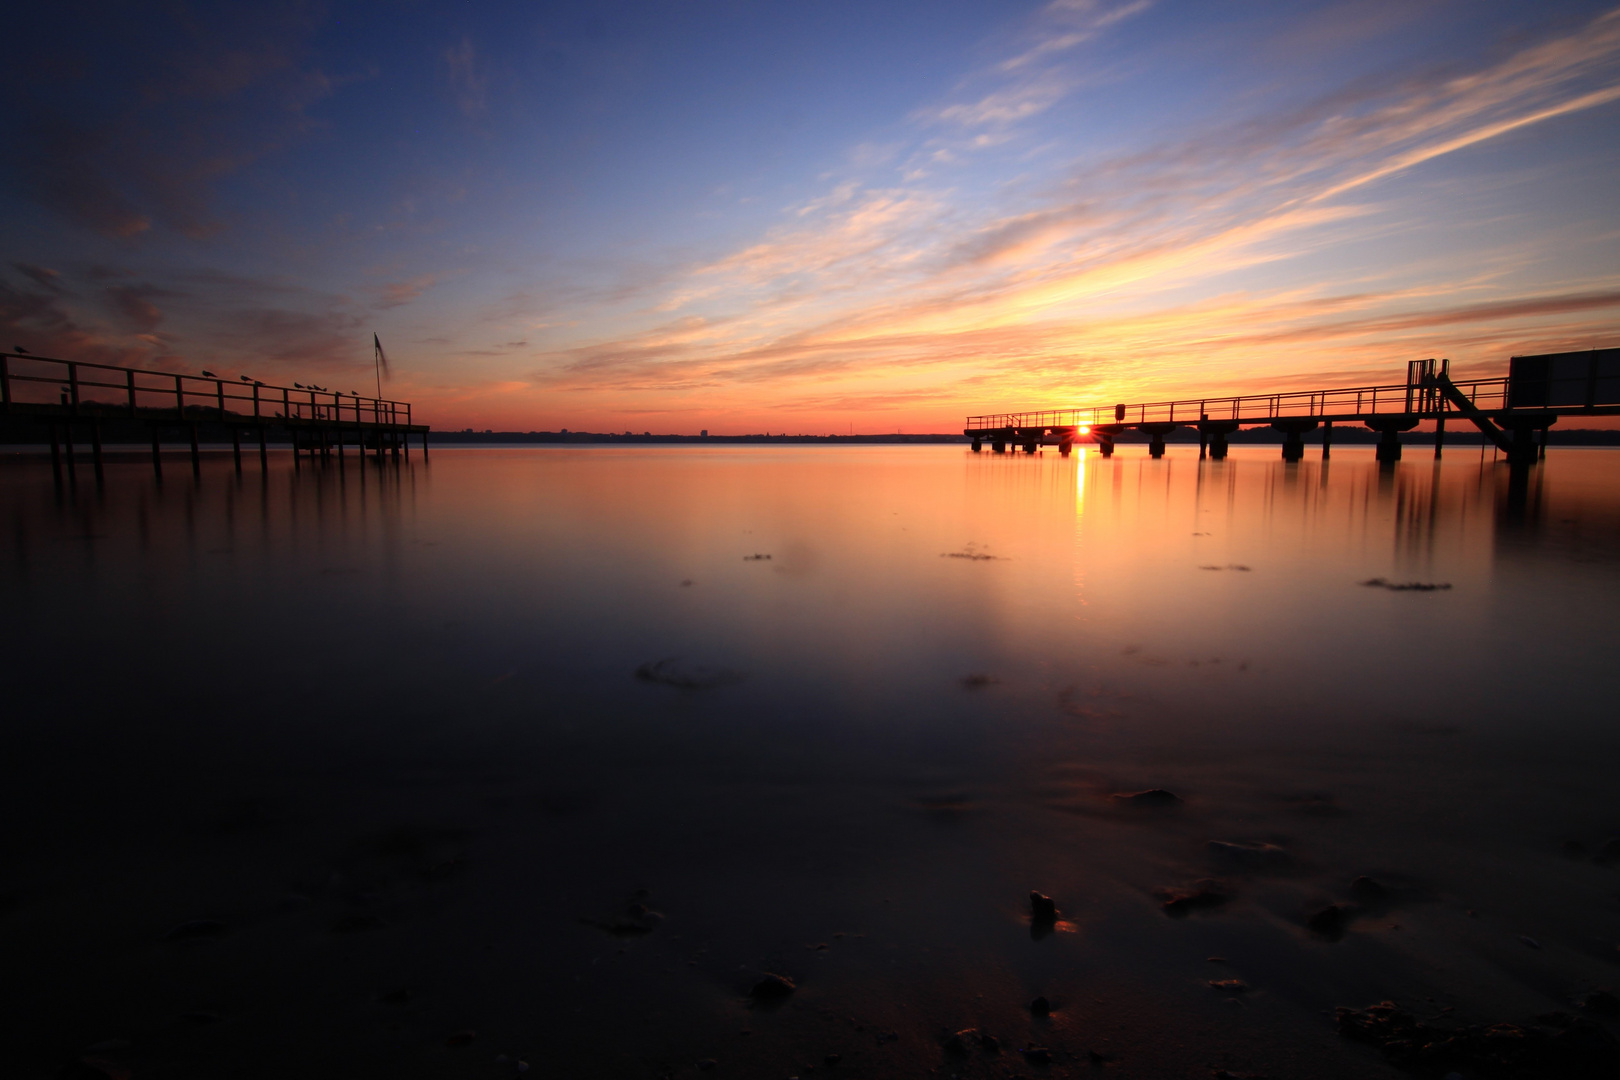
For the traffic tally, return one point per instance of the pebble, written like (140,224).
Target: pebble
(1040,1007)
(1042,908)
(1038,1055)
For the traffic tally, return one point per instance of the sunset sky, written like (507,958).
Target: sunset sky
(812,216)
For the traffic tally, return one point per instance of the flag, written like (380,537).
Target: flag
(380,357)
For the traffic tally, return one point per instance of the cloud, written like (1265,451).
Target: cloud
(403,292)
(134,303)
(469,84)
(42,276)
(65,175)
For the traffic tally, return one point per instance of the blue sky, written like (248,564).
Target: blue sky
(810,216)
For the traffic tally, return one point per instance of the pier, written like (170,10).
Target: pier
(1514,412)
(69,399)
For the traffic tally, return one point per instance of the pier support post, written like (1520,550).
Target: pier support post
(56,454)
(236,448)
(264,452)
(1439,434)
(1293,431)
(1156,433)
(998,446)
(977,448)
(1327,439)
(67,449)
(95,450)
(424,448)
(1217,431)
(1389,439)
(157,452)
(196,455)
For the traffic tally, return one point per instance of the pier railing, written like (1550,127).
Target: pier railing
(78,388)
(1344,403)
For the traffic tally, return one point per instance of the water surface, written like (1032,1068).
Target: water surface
(280,747)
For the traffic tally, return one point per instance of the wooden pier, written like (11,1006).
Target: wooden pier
(66,398)
(1511,411)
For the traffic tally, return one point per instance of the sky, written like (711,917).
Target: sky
(819,216)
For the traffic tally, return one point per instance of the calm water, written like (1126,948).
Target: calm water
(277,749)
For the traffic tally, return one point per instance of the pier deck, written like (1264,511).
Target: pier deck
(1537,391)
(72,396)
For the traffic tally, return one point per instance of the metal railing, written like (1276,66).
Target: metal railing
(89,390)
(1346,403)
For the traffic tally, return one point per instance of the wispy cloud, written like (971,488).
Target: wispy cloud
(892,285)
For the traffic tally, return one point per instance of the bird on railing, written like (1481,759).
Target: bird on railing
(209,374)
(19,350)
(256,382)
(301,386)
(244,378)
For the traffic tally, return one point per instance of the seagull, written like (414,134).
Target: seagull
(209,374)
(301,385)
(244,378)
(256,382)
(19,350)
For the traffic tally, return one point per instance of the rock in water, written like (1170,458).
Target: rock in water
(1332,921)
(772,988)
(1368,892)
(1151,797)
(1255,857)
(1042,908)
(1579,1049)
(1040,1007)
(1603,1003)
(1201,896)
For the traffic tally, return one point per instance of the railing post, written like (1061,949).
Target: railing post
(5,382)
(73,389)
(255,401)
(219,389)
(179,397)
(129,381)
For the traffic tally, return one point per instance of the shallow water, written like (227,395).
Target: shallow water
(830,713)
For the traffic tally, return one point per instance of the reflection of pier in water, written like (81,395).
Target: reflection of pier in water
(1509,412)
(56,397)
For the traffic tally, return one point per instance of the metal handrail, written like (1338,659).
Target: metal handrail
(1340,403)
(135,387)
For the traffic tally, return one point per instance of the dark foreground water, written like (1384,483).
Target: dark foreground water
(327,773)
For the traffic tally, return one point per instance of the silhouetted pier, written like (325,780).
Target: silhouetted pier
(69,398)
(1511,412)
